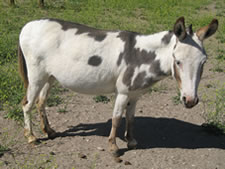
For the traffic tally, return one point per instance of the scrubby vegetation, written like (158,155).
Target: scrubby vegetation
(214,112)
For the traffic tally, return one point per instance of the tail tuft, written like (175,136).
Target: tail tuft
(22,67)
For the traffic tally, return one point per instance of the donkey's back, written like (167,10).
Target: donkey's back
(81,58)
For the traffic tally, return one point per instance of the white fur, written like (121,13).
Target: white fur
(150,42)
(191,59)
(68,63)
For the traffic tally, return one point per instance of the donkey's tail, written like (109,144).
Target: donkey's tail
(22,67)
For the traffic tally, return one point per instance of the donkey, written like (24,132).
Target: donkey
(93,61)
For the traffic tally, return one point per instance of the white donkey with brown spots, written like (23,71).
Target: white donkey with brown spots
(93,61)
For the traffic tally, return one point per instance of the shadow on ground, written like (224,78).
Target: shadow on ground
(155,133)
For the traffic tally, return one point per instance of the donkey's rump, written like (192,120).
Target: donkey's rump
(82,61)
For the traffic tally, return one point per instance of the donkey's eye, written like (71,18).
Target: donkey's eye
(178,62)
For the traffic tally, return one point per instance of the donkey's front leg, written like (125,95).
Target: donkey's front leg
(121,102)
(131,142)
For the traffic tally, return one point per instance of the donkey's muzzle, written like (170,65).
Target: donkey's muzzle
(190,102)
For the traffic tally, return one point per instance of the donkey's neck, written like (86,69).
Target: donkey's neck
(162,44)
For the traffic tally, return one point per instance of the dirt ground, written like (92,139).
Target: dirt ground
(168,135)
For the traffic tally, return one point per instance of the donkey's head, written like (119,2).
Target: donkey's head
(188,59)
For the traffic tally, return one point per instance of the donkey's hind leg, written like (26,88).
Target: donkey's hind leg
(41,102)
(28,101)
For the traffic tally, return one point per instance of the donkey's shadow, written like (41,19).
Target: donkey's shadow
(154,133)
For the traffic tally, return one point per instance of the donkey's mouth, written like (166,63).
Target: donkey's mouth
(190,104)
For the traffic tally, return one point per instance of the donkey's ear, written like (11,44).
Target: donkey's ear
(179,29)
(208,30)
(190,30)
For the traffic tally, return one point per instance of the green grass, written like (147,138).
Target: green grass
(158,87)
(144,16)
(101,98)
(176,99)
(38,161)
(6,141)
(215,110)
(221,55)
(3,149)
(220,61)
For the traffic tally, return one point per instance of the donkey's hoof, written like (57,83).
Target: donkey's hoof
(115,153)
(132,144)
(32,139)
(114,150)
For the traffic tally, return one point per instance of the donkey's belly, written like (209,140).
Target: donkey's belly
(87,81)
(90,88)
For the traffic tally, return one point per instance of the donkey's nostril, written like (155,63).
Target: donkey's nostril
(196,100)
(184,99)
(190,102)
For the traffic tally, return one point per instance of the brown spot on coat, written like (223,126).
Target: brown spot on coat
(128,74)
(120,59)
(155,68)
(131,55)
(134,57)
(95,60)
(139,81)
(142,81)
(66,25)
(97,34)
(166,38)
